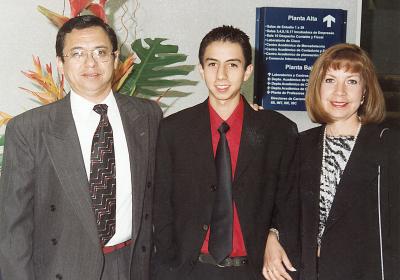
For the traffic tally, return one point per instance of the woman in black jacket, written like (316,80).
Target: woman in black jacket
(347,178)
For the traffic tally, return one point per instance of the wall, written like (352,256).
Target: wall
(25,32)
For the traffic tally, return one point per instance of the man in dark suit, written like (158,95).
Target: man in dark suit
(76,188)
(212,219)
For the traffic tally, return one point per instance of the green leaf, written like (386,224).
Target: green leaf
(169,71)
(165,83)
(2,140)
(174,93)
(149,77)
(163,105)
(164,93)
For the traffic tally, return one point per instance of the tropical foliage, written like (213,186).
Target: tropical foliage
(49,91)
(4,118)
(149,76)
(77,7)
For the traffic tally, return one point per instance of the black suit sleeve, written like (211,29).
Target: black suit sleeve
(163,217)
(389,155)
(286,211)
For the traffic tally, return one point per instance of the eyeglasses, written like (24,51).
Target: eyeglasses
(100,55)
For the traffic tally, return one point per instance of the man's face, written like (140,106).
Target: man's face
(224,72)
(87,72)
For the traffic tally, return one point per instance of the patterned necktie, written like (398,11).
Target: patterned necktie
(221,227)
(102,176)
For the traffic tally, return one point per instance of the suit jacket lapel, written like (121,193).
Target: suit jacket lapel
(249,138)
(64,149)
(136,128)
(311,161)
(203,166)
(201,132)
(360,171)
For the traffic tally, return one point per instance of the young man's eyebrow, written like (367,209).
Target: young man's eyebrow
(229,60)
(234,60)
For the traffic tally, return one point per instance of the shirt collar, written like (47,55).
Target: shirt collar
(83,107)
(232,121)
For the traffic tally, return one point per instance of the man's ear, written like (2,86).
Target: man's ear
(60,65)
(201,70)
(247,73)
(116,59)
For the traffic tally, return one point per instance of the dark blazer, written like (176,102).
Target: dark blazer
(351,242)
(185,179)
(48,229)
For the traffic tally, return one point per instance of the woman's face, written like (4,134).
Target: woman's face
(342,94)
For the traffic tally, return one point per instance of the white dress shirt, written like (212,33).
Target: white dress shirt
(86,121)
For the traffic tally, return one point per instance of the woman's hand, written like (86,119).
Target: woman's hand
(256,107)
(275,260)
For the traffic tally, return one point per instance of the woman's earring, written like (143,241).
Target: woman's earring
(362,100)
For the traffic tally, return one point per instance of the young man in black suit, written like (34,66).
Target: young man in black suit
(221,173)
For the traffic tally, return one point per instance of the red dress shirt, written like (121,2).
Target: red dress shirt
(235,122)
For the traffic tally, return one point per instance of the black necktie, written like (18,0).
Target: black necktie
(221,227)
(102,176)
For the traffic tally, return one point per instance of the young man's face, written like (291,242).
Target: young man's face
(89,75)
(224,72)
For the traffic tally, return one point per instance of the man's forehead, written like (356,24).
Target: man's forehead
(90,35)
(224,51)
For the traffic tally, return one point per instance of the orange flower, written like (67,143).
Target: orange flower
(4,118)
(77,7)
(50,90)
(56,19)
(122,72)
(98,11)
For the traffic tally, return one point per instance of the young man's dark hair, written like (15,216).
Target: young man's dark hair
(82,22)
(227,33)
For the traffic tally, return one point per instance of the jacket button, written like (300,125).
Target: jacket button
(148,185)
(52,208)
(213,188)
(205,227)
(143,249)
(146,216)
(59,276)
(54,241)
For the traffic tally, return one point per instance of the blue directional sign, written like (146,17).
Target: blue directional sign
(288,41)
